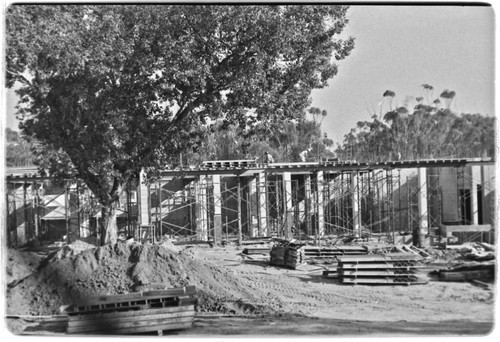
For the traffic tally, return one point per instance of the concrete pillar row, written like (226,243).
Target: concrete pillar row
(356,216)
(423,220)
(143,200)
(262,204)
(308,204)
(253,222)
(217,208)
(287,198)
(475,182)
(320,205)
(201,209)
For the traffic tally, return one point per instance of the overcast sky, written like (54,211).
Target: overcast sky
(400,48)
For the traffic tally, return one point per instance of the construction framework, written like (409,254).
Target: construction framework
(240,200)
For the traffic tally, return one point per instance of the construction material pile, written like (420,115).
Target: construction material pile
(290,255)
(134,313)
(391,268)
(312,252)
(69,277)
(471,271)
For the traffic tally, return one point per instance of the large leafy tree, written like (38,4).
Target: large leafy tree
(107,90)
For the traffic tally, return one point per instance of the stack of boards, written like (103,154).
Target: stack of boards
(138,312)
(333,252)
(290,256)
(391,269)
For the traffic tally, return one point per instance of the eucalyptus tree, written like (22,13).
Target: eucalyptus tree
(107,90)
(425,131)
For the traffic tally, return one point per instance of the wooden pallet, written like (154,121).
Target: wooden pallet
(256,250)
(137,300)
(134,312)
(132,321)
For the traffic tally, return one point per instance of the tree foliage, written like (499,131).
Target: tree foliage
(18,150)
(427,131)
(110,89)
(283,141)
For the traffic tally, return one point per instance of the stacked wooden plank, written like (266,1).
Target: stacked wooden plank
(217,164)
(132,313)
(288,256)
(391,268)
(256,250)
(331,252)
(469,271)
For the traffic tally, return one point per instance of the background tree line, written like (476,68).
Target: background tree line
(284,141)
(427,130)
(430,130)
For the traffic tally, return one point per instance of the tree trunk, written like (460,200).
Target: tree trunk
(109,228)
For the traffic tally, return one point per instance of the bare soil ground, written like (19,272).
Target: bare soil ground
(244,295)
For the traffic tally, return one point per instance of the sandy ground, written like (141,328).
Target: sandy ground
(305,291)
(245,295)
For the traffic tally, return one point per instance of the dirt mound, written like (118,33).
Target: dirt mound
(21,264)
(67,277)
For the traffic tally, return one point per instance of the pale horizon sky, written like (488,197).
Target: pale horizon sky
(400,48)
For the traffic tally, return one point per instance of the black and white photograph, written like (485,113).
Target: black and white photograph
(221,170)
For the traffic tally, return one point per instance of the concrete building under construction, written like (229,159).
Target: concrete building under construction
(429,201)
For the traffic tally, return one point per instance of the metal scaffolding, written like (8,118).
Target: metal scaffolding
(221,207)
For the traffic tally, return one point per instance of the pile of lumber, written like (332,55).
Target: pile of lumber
(244,163)
(255,250)
(468,272)
(332,252)
(390,269)
(288,256)
(138,312)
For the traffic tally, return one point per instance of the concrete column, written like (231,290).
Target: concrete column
(423,224)
(26,219)
(488,189)
(143,200)
(287,200)
(262,204)
(34,202)
(201,210)
(240,234)
(253,212)
(449,195)
(67,211)
(73,216)
(356,216)
(320,205)
(217,208)
(475,181)
(307,202)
